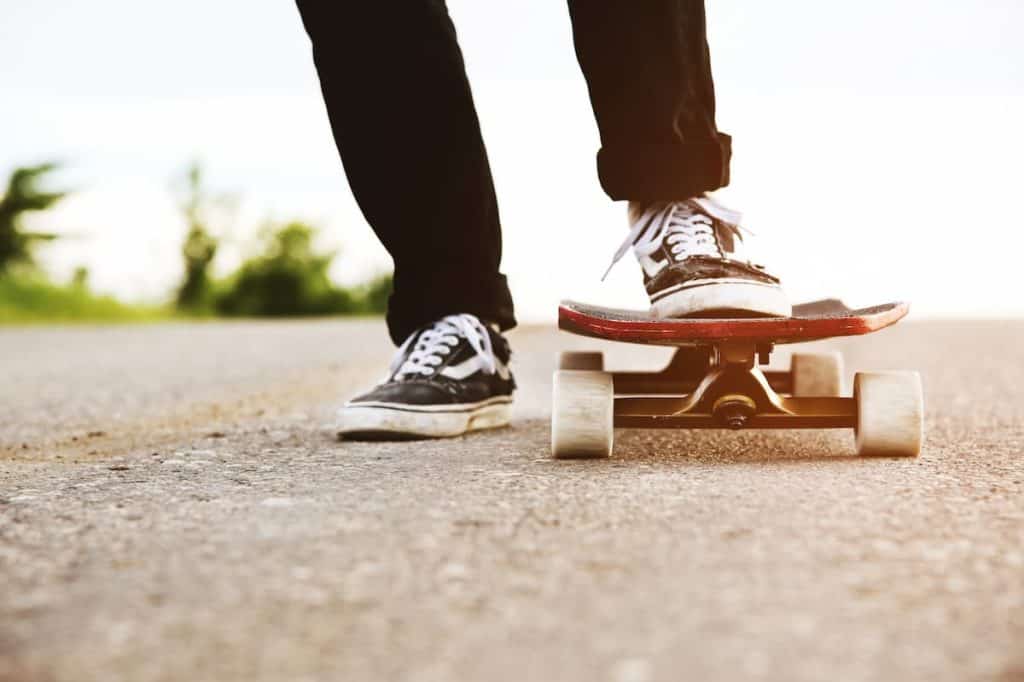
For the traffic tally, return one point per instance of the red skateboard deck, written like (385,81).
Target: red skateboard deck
(816,320)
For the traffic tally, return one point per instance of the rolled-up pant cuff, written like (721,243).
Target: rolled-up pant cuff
(665,171)
(418,303)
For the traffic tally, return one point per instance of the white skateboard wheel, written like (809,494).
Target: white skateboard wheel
(582,414)
(890,413)
(592,360)
(817,374)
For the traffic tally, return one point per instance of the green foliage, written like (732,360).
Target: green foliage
(373,296)
(195,293)
(80,278)
(31,298)
(22,196)
(288,279)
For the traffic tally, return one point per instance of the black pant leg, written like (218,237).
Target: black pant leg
(403,118)
(648,69)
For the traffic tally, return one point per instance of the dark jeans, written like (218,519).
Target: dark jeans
(403,118)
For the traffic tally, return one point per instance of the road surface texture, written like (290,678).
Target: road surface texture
(174,506)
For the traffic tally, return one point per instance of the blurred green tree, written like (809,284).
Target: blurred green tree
(373,296)
(288,278)
(80,278)
(22,196)
(196,292)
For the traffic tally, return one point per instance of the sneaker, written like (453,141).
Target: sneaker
(448,378)
(690,253)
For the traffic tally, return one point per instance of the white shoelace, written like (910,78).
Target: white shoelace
(438,341)
(686,226)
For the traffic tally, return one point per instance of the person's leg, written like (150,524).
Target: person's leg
(648,70)
(403,119)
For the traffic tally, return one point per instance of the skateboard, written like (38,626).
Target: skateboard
(714,380)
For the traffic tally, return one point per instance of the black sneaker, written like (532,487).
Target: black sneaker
(447,378)
(690,252)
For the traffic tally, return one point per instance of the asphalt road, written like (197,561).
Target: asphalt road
(173,506)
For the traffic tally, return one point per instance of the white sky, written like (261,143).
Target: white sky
(878,144)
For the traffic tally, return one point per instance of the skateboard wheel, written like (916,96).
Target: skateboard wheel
(591,360)
(817,374)
(582,414)
(890,413)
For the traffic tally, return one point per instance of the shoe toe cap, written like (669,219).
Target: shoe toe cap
(406,393)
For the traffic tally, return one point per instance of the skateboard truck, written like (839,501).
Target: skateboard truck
(733,392)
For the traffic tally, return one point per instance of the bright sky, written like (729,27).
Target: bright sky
(878,144)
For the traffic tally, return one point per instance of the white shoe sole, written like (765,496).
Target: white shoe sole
(389,420)
(729,296)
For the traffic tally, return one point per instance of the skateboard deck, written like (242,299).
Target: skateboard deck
(816,320)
